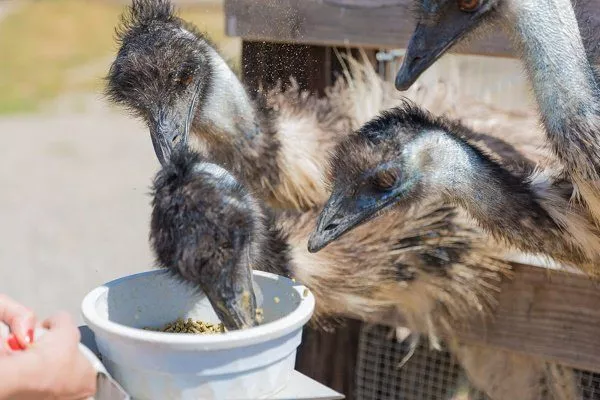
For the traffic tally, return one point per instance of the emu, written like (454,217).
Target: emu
(547,36)
(405,157)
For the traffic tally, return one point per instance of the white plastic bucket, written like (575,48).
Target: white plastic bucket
(247,364)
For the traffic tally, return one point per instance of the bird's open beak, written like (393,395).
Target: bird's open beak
(233,299)
(341,214)
(429,42)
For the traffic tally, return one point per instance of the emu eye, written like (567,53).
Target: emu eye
(469,5)
(187,80)
(385,179)
(184,79)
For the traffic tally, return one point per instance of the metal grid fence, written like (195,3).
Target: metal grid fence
(427,375)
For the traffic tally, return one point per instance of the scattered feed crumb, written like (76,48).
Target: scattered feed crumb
(260,315)
(276,300)
(305,292)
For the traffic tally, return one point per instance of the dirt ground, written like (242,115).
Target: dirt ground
(74,208)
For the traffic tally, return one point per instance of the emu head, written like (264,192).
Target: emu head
(440,25)
(397,159)
(202,226)
(161,71)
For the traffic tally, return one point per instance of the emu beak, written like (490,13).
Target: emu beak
(344,212)
(429,42)
(341,214)
(233,299)
(172,126)
(166,133)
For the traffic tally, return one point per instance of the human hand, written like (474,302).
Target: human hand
(52,367)
(20,320)
(65,372)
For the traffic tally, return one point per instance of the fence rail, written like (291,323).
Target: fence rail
(551,314)
(361,23)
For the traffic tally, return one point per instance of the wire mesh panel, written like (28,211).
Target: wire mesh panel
(589,382)
(427,375)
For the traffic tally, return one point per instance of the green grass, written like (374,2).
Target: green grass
(54,47)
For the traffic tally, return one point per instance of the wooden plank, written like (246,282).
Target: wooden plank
(360,23)
(330,357)
(551,314)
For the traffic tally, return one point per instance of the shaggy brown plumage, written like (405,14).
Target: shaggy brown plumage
(406,155)
(547,36)
(429,262)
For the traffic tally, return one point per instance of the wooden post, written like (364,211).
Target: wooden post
(266,63)
(313,67)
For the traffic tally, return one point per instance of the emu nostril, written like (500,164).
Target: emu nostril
(175,139)
(331,227)
(416,58)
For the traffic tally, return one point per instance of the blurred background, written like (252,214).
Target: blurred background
(74,173)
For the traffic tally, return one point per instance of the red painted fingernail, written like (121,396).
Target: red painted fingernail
(30,336)
(13,343)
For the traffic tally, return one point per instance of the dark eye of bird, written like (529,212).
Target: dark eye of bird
(469,5)
(384,180)
(184,79)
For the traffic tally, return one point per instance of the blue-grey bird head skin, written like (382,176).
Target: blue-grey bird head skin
(368,173)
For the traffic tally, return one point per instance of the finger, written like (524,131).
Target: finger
(4,349)
(19,318)
(62,325)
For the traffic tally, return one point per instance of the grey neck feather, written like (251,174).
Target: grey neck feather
(554,54)
(231,131)
(503,204)
(451,168)
(227,108)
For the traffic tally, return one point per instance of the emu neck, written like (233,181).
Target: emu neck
(564,83)
(229,128)
(503,204)
(549,37)
(226,110)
